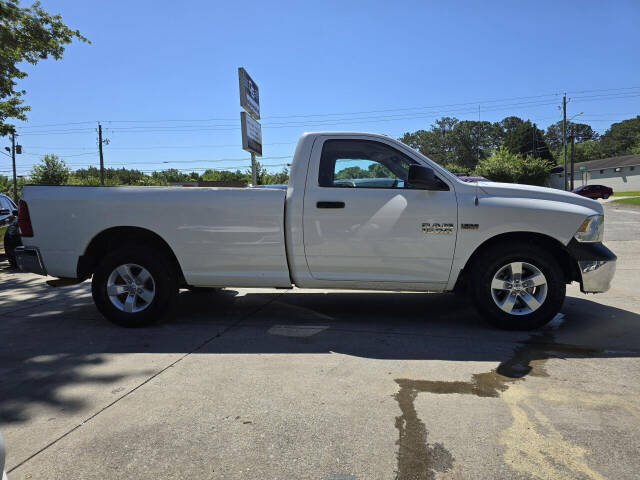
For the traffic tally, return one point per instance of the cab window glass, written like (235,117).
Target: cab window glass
(362,164)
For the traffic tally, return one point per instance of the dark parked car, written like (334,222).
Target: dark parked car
(594,191)
(9,227)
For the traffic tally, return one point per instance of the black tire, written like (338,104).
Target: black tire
(164,279)
(606,195)
(493,260)
(10,254)
(11,241)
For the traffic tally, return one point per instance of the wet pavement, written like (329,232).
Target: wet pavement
(274,384)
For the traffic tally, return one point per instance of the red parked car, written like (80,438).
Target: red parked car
(594,191)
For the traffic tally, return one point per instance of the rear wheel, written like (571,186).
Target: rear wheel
(9,252)
(134,287)
(518,287)
(606,195)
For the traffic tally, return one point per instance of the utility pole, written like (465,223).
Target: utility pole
(13,160)
(478,135)
(101,158)
(573,144)
(564,136)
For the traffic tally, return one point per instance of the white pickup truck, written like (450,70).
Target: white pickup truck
(361,211)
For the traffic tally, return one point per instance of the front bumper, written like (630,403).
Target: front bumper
(29,260)
(596,264)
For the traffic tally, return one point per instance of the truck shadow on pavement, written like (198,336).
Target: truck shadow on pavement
(59,339)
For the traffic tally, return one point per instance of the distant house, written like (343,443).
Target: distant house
(619,173)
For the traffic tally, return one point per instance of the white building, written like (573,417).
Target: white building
(620,173)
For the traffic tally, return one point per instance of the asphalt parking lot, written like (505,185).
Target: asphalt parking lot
(273,384)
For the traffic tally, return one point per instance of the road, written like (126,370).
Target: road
(273,384)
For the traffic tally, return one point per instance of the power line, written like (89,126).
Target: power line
(619,92)
(155,146)
(298,123)
(475,102)
(218,160)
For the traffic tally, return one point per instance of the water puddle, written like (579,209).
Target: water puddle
(417,459)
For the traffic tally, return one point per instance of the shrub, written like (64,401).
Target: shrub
(504,166)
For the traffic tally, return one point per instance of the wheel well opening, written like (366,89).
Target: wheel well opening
(557,249)
(118,237)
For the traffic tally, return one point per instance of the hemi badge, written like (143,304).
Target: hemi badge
(469,226)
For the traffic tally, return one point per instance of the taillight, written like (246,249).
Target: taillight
(24,220)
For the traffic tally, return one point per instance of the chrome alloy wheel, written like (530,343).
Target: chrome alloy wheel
(519,288)
(131,288)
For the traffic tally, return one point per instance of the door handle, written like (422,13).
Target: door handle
(330,204)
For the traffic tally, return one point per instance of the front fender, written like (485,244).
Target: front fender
(498,215)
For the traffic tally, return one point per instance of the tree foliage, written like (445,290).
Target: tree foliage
(51,170)
(463,144)
(6,185)
(29,35)
(506,166)
(527,139)
(621,138)
(581,131)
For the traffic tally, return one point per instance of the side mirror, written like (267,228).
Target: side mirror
(14,212)
(423,177)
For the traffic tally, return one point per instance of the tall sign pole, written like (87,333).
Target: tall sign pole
(251,128)
(254,170)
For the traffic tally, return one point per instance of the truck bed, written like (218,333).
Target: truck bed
(220,236)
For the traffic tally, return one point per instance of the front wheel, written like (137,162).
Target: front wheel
(606,195)
(134,287)
(518,286)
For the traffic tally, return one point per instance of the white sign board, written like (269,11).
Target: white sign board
(251,134)
(249,94)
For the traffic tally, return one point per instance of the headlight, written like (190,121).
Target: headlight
(591,230)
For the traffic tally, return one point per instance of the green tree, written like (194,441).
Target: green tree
(171,175)
(353,172)
(226,176)
(585,151)
(581,131)
(521,140)
(278,177)
(621,138)
(26,35)
(452,141)
(51,170)
(508,125)
(4,184)
(506,166)
(473,141)
(437,143)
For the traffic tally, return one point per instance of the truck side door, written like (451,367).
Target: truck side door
(363,222)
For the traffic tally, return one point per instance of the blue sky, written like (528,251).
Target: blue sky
(162,76)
